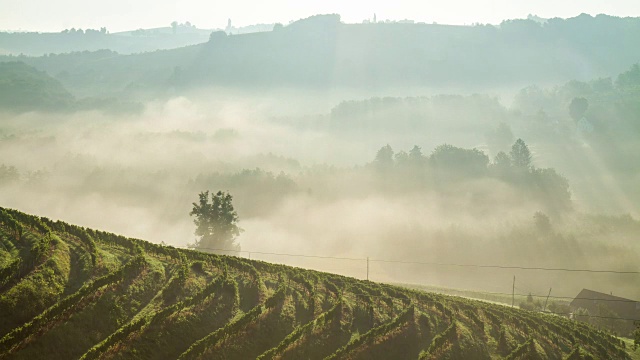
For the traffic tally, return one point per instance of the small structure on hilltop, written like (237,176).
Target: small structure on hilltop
(608,309)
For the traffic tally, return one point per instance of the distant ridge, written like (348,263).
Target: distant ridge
(321,52)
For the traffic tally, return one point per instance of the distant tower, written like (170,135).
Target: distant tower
(374,18)
(228,29)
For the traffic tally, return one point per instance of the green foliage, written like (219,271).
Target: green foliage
(10,271)
(40,287)
(504,343)
(630,78)
(23,88)
(531,304)
(200,346)
(216,222)
(578,108)
(554,188)
(301,330)
(198,265)
(579,354)
(542,223)
(458,161)
(527,349)
(520,155)
(384,158)
(559,308)
(67,304)
(218,285)
(516,52)
(8,174)
(14,226)
(120,334)
(448,335)
(405,316)
(39,245)
(205,312)
(263,190)
(86,239)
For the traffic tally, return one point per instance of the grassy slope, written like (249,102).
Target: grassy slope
(86,294)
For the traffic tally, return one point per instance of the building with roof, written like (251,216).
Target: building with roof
(608,309)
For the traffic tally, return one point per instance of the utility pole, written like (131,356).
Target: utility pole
(513,291)
(367,268)
(545,302)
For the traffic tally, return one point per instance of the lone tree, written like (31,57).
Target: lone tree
(384,158)
(520,155)
(216,222)
(578,108)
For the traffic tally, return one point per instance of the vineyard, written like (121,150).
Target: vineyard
(68,292)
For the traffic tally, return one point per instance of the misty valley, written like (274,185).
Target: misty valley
(322,189)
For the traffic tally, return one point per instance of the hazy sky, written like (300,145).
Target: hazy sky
(118,15)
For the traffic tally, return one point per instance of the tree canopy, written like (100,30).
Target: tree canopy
(520,155)
(216,222)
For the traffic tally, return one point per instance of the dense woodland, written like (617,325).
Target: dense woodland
(85,40)
(321,52)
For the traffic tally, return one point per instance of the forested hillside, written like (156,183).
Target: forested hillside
(24,88)
(70,40)
(323,52)
(93,294)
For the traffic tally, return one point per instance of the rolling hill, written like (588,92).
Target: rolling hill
(137,41)
(322,52)
(22,87)
(68,292)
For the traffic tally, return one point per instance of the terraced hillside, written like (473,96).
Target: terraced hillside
(68,292)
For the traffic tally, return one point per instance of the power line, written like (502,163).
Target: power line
(525,289)
(468,265)
(581,298)
(506,267)
(454,264)
(548,312)
(590,316)
(532,295)
(545,312)
(308,256)
(430,263)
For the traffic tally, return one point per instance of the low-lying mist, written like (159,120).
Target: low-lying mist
(310,180)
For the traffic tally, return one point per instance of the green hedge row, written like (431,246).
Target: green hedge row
(11,224)
(332,313)
(10,271)
(405,316)
(450,334)
(52,313)
(123,332)
(527,348)
(32,221)
(200,346)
